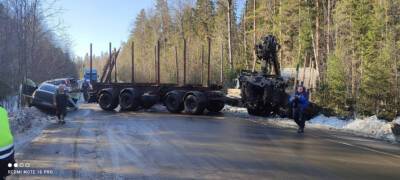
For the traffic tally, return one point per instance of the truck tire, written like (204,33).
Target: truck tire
(148,100)
(107,102)
(130,100)
(195,103)
(215,106)
(255,110)
(174,102)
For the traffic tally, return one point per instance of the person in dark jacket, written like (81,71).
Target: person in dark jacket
(298,103)
(85,90)
(61,101)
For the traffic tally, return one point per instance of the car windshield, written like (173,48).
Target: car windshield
(47,87)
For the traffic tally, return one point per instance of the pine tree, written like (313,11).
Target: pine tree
(204,13)
(336,81)
(288,19)
(375,69)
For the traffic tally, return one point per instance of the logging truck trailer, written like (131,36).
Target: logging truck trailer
(177,97)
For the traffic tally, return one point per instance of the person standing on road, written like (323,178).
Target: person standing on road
(85,90)
(6,145)
(61,101)
(298,103)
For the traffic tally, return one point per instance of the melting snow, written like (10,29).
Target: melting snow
(26,124)
(10,103)
(369,126)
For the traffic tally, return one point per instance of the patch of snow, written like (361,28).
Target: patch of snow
(397,121)
(368,127)
(156,108)
(233,109)
(26,124)
(10,103)
(373,127)
(283,122)
(242,112)
(332,122)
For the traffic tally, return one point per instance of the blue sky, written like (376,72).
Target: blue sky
(101,21)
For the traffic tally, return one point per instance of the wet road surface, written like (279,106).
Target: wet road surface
(140,145)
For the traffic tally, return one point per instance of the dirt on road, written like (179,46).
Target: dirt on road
(95,144)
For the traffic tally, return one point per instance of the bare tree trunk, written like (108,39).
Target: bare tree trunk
(209,63)
(184,61)
(315,52)
(202,64)
(311,79)
(245,36)
(353,68)
(177,65)
(355,75)
(280,34)
(254,36)
(34,33)
(304,70)
(397,88)
(230,35)
(317,37)
(299,40)
(309,73)
(222,65)
(328,33)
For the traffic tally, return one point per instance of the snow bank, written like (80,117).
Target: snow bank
(228,108)
(368,127)
(397,120)
(242,112)
(26,124)
(10,103)
(323,121)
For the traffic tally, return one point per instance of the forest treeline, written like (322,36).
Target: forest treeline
(29,46)
(354,45)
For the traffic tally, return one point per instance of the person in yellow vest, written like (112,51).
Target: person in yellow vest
(6,145)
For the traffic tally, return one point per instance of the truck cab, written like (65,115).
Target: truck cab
(88,77)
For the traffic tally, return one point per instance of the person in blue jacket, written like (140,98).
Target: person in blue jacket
(298,103)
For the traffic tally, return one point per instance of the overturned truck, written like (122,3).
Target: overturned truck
(264,93)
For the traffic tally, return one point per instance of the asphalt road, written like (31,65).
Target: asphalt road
(140,145)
